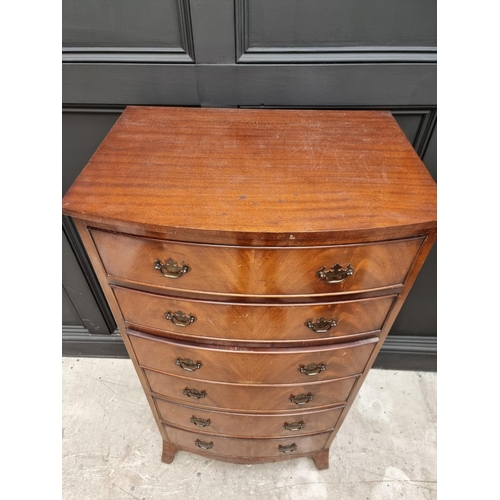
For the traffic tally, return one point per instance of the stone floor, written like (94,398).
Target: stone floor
(386,448)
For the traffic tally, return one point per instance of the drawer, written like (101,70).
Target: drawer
(247,425)
(251,322)
(254,397)
(247,447)
(254,271)
(264,366)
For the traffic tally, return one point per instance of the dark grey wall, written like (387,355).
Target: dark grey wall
(229,53)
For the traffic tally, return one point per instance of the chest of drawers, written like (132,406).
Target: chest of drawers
(254,261)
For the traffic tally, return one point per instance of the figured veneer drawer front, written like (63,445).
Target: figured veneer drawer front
(247,425)
(247,447)
(270,366)
(250,397)
(254,271)
(250,321)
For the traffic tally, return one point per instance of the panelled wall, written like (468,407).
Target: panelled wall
(244,53)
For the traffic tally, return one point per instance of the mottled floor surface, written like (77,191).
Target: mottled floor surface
(386,448)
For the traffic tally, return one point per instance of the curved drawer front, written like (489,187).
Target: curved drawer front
(254,271)
(270,366)
(255,398)
(247,447)
(247,425)
(252,322)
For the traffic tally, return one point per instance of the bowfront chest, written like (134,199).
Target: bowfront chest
(254,261)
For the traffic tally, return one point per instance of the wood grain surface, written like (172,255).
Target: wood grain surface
(245,424)
(247,447)
(263,366)
(251,322)
(321,457)
(255,176)
(255,398)
(256,271)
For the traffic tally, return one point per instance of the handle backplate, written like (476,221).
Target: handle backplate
(171,269)
(180,318)
(204,445)
(200,422)
(188,364)
(294,426)
(194,394)
(301,399)
(312,369)
(336,273)
(288,448)
(321,325)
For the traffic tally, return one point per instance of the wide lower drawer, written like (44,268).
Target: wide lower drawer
(247,447)
(264,366)
(252,322)
(255,271)
(247,425)
(255,397)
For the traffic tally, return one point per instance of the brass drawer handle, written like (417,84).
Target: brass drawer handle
(336,274)
(200,422)
(301,399)
(170,268)
(312,369)
(321,325)
(194,394)
(204,445)
(188,364)
(295,426)
(179,318)
(288,448)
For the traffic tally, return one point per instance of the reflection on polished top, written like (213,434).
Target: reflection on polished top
(254,177)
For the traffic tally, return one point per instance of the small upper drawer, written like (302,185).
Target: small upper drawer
(256,271)
(253,366)
(193,319)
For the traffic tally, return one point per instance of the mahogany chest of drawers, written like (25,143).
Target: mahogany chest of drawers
(254,261)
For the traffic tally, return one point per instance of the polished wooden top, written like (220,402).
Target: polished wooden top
(289,177)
